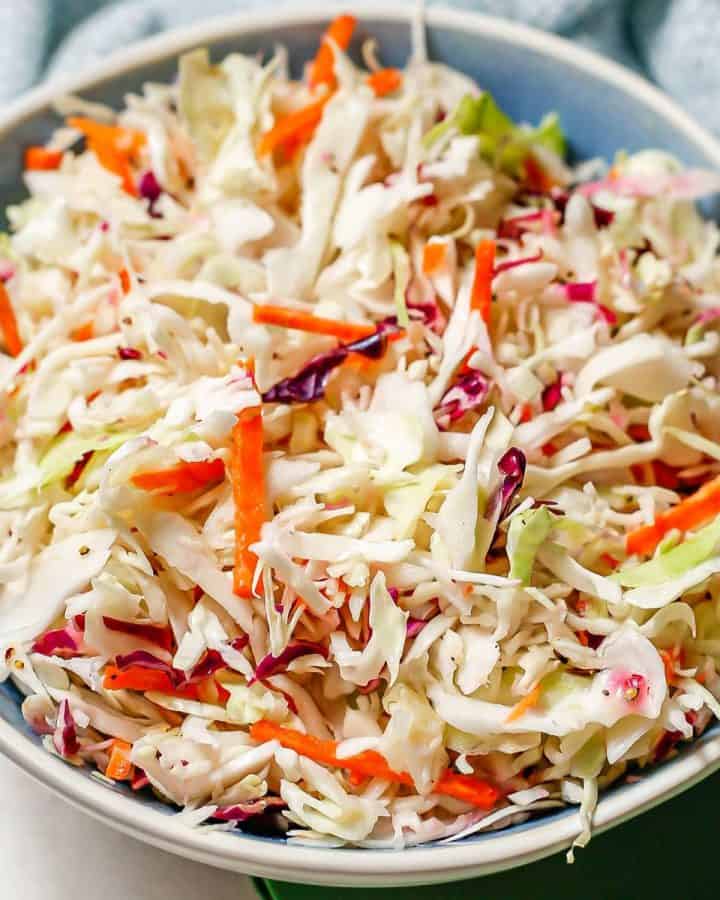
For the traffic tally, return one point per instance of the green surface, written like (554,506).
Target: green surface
(669,852)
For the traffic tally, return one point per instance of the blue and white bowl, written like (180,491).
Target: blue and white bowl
(603,108)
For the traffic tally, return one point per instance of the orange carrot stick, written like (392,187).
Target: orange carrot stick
(691,513)
(8,324)
(119,768)
(248,481)
(481,298)
(468,788)
(384,81)
(528,702)
(371,764)
(40,159)
(123,140)
(84,332)
(285,317)
(340,32)
(182,478)
(136,678)
(434,257)
(286,129)
(125,282)
(114,147)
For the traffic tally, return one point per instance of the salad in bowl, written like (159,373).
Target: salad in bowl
(359,452)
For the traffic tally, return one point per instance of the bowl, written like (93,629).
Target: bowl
(603,108)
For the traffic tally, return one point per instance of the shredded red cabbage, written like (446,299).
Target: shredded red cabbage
(513,228)
(581,291)
(429,313)
(155,634)
(513,263)
(241,812)
(60,642)
(149,188)
(271,665)
(469,391)
(415,626)
(310,382)
(65,737)
(585,292)
(129,353)
(552,395)
(211,662)
(603,217)
(78,469)
(512,469)
(144,660)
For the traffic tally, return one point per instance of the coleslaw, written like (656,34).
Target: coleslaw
(359,453)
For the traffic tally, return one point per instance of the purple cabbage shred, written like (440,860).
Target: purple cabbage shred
(241,812)
(150,190)
(512,470)
(65,737)
(310,382)
(552,395)
(271,665)
(469,392)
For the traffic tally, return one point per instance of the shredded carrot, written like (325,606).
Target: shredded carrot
(123,140)
(40,159)
(248,481)
(371,764)
(85,332)
(294,145)
(125,282)
(339,32)
(434,257)
(468,788)
(8,324)
(669,658)
(182,478)
(136,678)
(526,412)
(528,702)
(536,178)
(120,768)
(582,636)
(286,129)
(285,317)
(114,147)
(693,512)
(481,299)
(384,81)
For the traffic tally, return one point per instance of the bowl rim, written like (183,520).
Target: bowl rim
(417,865)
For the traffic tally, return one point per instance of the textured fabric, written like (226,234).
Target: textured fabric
(674,42)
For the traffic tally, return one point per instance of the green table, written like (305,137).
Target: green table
(669,852)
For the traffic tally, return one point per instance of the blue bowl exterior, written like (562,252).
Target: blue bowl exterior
(599,118)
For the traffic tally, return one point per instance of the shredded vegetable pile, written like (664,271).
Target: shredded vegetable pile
(359,455)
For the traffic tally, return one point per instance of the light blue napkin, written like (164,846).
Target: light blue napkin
(674,42)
